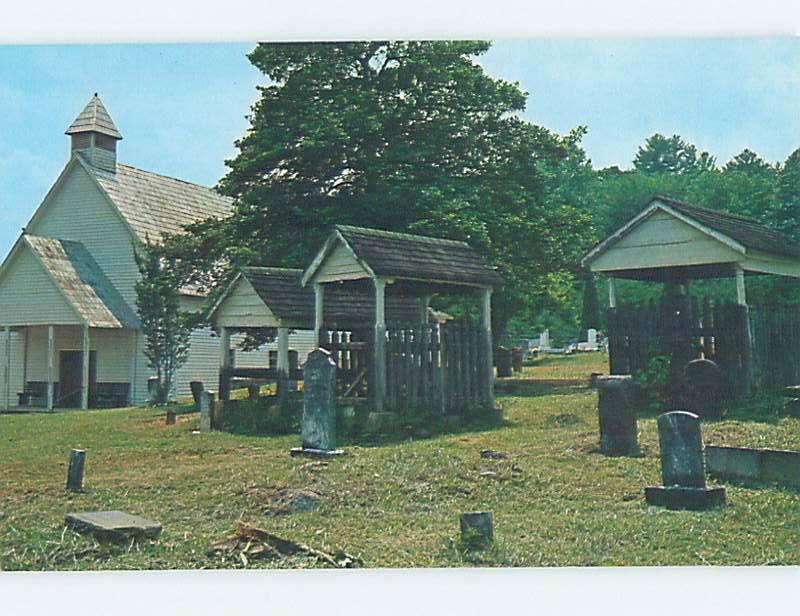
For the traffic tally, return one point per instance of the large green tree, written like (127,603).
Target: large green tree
(405,136)
(672,155)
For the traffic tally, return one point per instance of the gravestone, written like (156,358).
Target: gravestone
(77,457)
(477,529)
(206,399)
(617,415)
(704,387)
(682,467)
(516,359)
(318,429)
(502,359)
(196,387)
(591,337)
(112,525)
(544,340)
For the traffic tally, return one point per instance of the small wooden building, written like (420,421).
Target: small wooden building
(675,242)
(410,364)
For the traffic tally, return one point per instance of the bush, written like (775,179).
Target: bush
(262,416)
(653,383)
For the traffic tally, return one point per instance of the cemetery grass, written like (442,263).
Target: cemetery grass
(556,502)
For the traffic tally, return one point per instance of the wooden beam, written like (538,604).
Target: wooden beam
(486,326)
(50,370)
(741,293)
(134,362)
(319,307)
(224,362)
(283,350)
(379,387)
(612,293)
(8,366)
(85,355)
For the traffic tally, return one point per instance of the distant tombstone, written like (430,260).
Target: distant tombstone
(617,415)
(77,458)
(682,467)
(318,429)
(170,417)
(502,358)
(196,387)
(591,337)
(152,389)
(206,399)
(704,387)
(544,340)
(516,359)
(477,529)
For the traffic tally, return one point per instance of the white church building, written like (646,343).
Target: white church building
(69,332)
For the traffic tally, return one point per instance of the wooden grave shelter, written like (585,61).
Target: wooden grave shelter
(412,364)
(674,242)
(271,301)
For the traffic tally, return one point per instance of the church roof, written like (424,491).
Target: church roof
(94,119)
(156,205)
(83,283)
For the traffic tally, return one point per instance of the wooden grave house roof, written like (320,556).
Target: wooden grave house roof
(402,256)
(671,239)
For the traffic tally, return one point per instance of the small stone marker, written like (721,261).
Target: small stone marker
(617,415)
(318,429)
(205,410)
(502,359)
(682,468)
(196,387)
(112,525)
(516,359)
(77,457)
(170,418)
(477,529)
(704,387)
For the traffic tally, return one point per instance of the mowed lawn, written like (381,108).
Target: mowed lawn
(556,501)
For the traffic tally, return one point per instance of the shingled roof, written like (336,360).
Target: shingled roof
(82,282)
(746,231)
(156,205)
(417,257)
(94,119)
(281,291)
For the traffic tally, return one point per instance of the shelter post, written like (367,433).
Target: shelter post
(224,363)
(50,371)
(8,366)
(746,335)
(612,293)
(134,357)
(380,345)
(319,304)
(85,356)
(486,326)
(741,293)
(283,359)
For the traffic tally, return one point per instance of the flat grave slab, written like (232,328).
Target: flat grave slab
(310,452)
(112,525)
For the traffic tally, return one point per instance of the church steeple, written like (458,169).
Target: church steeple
(94,136)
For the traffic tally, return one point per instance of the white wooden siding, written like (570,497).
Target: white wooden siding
(28,294)
(17,339)
(78,210)
(664,241)
(339,265)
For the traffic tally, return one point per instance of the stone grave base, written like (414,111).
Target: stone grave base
(315,453)
(676,497)
(112,525)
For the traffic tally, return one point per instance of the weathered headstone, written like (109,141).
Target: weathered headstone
(544,340)
(617,415)
(170,417)
(77,458)
(591,337)
(682,467)
(704,387)
(502,358)
(318,429)
(112,525)
(516,359)
(477,529)
(206,399)
(196,387)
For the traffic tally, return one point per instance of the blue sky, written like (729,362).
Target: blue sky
(181,107)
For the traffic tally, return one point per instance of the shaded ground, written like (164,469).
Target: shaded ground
(555,502)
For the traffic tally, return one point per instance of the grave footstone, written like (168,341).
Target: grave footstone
(112,525)
(502,358)
(205,410)
(77,458)
(682,467)
(318,429)
(617,415)
(477,529)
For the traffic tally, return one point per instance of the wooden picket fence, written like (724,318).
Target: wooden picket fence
(756,347)
(430,367)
